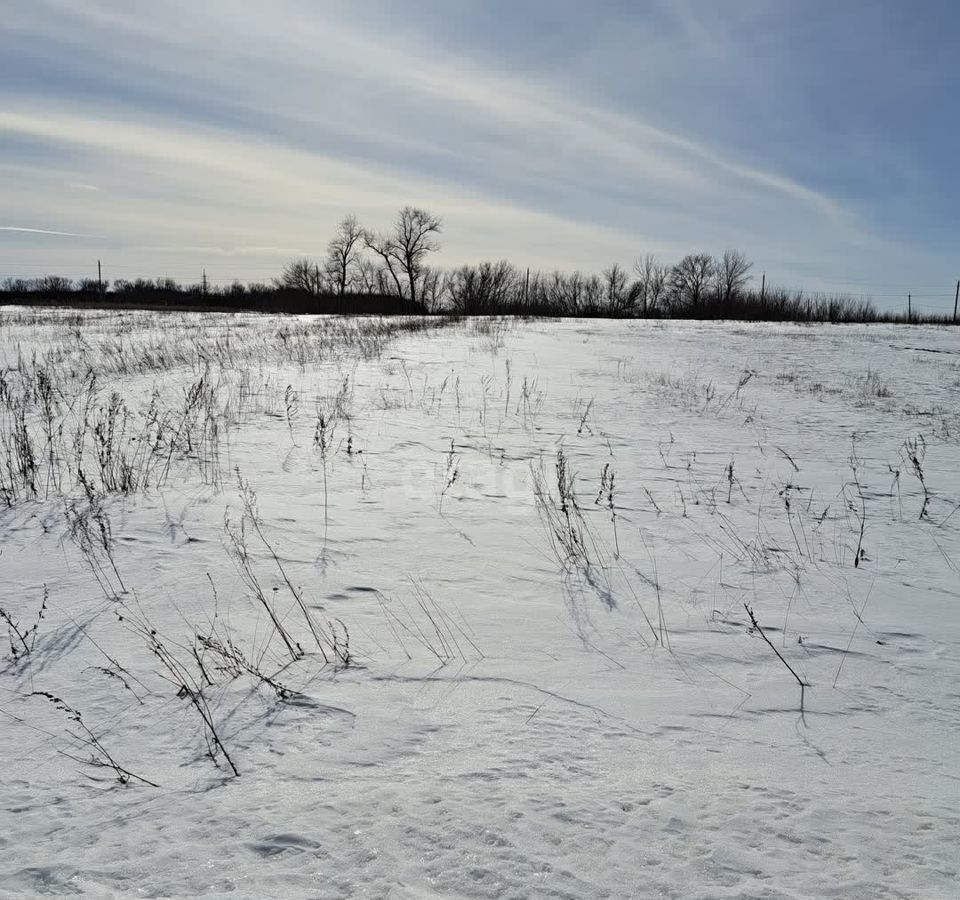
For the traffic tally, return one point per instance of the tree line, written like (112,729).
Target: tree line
(363,271)
(396,263)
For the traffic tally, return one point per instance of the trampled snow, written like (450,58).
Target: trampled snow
(529,552)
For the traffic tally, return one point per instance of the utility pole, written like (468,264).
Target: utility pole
(763,285)
(204,282)
(909,307)
(956,297)
(526,288)
(100,281)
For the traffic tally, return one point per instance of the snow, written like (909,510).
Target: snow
(510,724)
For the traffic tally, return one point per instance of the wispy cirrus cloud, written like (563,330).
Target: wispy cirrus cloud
(538,131)
(24,230)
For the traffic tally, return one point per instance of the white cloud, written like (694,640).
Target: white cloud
(24,230)
(300,113)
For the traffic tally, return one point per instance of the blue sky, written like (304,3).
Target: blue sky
(171,136)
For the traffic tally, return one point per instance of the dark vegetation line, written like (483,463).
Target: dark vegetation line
(388,273)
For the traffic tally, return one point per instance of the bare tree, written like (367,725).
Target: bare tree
(301,275)
(343,254)
(535,291)
(615,288)
(431,289)
(590,294)
(690,278)
(732,273)
(374,278)
(658,286)
(558,293)
(54,284)
(382,246)
(622,294)
(487,288)
(405,249)
(651,282)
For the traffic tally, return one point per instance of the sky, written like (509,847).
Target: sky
(174,136)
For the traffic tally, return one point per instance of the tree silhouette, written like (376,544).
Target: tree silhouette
(404,250)
(690,278)
(732,273)
(343,254)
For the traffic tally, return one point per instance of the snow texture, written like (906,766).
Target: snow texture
(530,552)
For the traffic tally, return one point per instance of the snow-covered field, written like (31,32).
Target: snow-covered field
(468,607)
